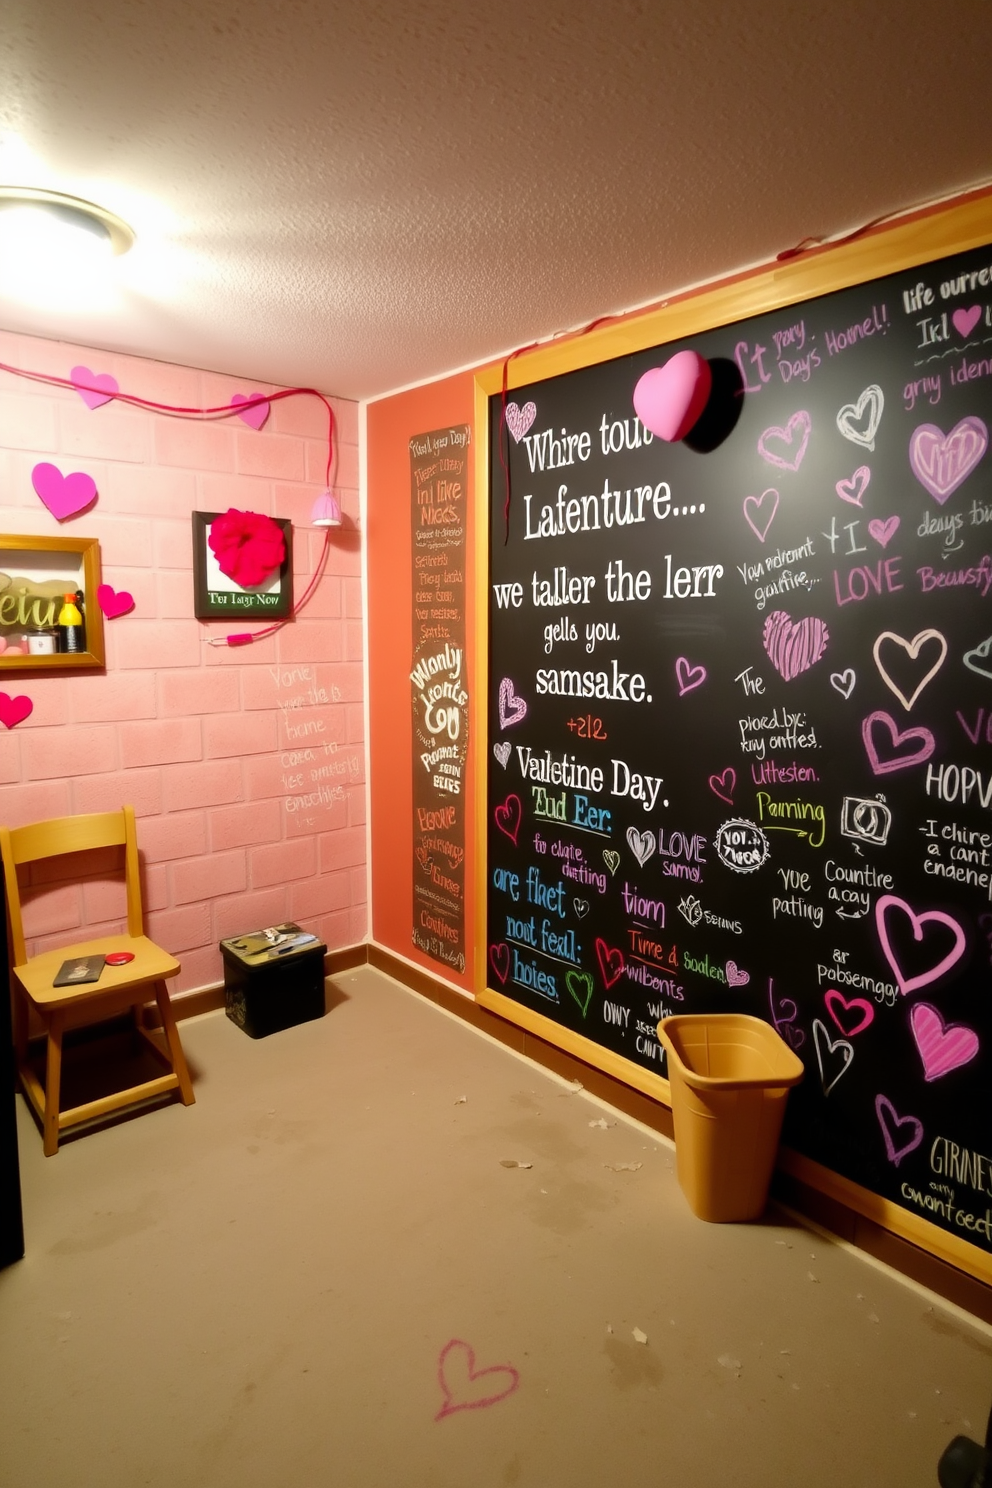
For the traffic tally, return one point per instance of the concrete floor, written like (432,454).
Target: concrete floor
(324,1274)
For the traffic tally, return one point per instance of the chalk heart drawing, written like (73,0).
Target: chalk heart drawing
(793,440)
(95,388)
(902,1134)
(502,753)
(890,910)
(114,602)
(508,817)
(793,646)
(512,709)
(943,1046)
(935,643)
(883,531)
(580,987)
(859,421)
(833,1056)
(641,844)
(610,963)
(979,659)
(852,1015)
(499,960)
(611,859)
(255,416)
(736,975)
(843,682)
(424,858)
(14,710)
(581,907)
(784,1013)
(965,321)
(64,495)
(853,489)
(688,676)
(464,1386)
(519,420)
(723,785)
(942,461)
(759,512)
(920,740)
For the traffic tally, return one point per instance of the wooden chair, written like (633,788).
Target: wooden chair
(119,987)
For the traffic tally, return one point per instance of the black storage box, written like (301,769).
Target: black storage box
(272,979)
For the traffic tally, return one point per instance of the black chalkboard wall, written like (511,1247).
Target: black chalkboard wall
(740,717)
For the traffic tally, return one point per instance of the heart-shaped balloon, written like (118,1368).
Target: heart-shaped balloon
(668,400)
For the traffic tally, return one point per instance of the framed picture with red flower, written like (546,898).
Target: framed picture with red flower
(242,566)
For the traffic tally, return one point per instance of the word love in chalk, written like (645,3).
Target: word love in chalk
(793,646)
(464,1386)
(930,931)
(942,461)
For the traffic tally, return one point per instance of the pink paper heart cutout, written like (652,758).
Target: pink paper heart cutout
(610,963)
(736,975)
(114,603)
(723,785)
(892,1125)
(688,676)
(793,646)
(14,710)
(254,417)
(942,461)
(888,905)
(668,400)
(466,1388)
(499,957)
(883,532)
(519,420)
(512,709)
(853,489)
(835,1000)
(943,1046)
(759,512)
(95,388)
(896,761)
(64,495)
(508,817)
(965,321)
(799,424)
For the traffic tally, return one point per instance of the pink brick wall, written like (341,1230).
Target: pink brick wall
(246,766)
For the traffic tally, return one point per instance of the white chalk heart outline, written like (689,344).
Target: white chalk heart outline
(912,649)
(871,398)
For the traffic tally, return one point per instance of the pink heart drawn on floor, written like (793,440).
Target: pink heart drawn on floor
(499,958)
(736,975)
(688,676)
(853,489)
(114,602)
(943,1046)
(793,646)
(508,817)
(95,388)
(942,461)
(837,1005)
(255,416)
(883,532)
(795,438)
(14,710)
(723,785)
(965,321)
(519,420)
(759,512)
(902,1134)
(64,495)
(465,1387)
(922,737)
(512,709)
(889,905)
(610,963)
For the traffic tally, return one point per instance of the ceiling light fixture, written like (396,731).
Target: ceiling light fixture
(51,216)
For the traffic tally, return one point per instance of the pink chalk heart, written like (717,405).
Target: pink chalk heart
(668,400)
(519,420)
(14,710)
(943,1046)
(507,817)
(499,958)
(64,495)
(723,785)
(256,415)
(793,438)
(113,602)
(759,512)
(465,1387)
(902,1134)
(884,532)
(921,741)
(610,963)
(851,1015)
(95,388)
(736,975)
(793,646)
(942,461)
(512,709)
(852,490)
(688,676)
(784,1013)
(890,910)
(965,321)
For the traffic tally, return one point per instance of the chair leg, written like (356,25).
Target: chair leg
(53,1080)
(172,1040)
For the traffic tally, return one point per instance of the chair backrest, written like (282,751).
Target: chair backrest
(55,838)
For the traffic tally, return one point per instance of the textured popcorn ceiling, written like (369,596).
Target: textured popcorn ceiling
(360,196)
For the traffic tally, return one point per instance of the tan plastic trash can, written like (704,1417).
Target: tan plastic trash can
(730,1077)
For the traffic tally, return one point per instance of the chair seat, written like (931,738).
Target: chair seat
(150,964)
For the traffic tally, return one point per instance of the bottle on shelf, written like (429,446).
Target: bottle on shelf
(72,636)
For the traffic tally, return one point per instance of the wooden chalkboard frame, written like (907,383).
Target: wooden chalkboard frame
(917,238)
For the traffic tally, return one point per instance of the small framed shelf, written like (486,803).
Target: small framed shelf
(35,574)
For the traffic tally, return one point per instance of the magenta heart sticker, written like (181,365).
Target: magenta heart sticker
(465,1387)
(759,512)
(95,388)
(668,400)
(508,816)
(883,532)
(64,495)
(853,489)
(921,740)
(965,321)
(114,603)
(943,1046)
(14,710)
(942,461)
(688,676)
(902,1134)
(256,415)
(793,646)
(610,963)
(888,909)
(840,1008)
(793,438)
(723,785)
(736,975)
(499,958)
(519,420)
(512,709)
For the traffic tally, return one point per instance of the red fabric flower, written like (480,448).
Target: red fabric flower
(248,546)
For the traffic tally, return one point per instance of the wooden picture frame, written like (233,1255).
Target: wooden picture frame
(216,597)
(34,573)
